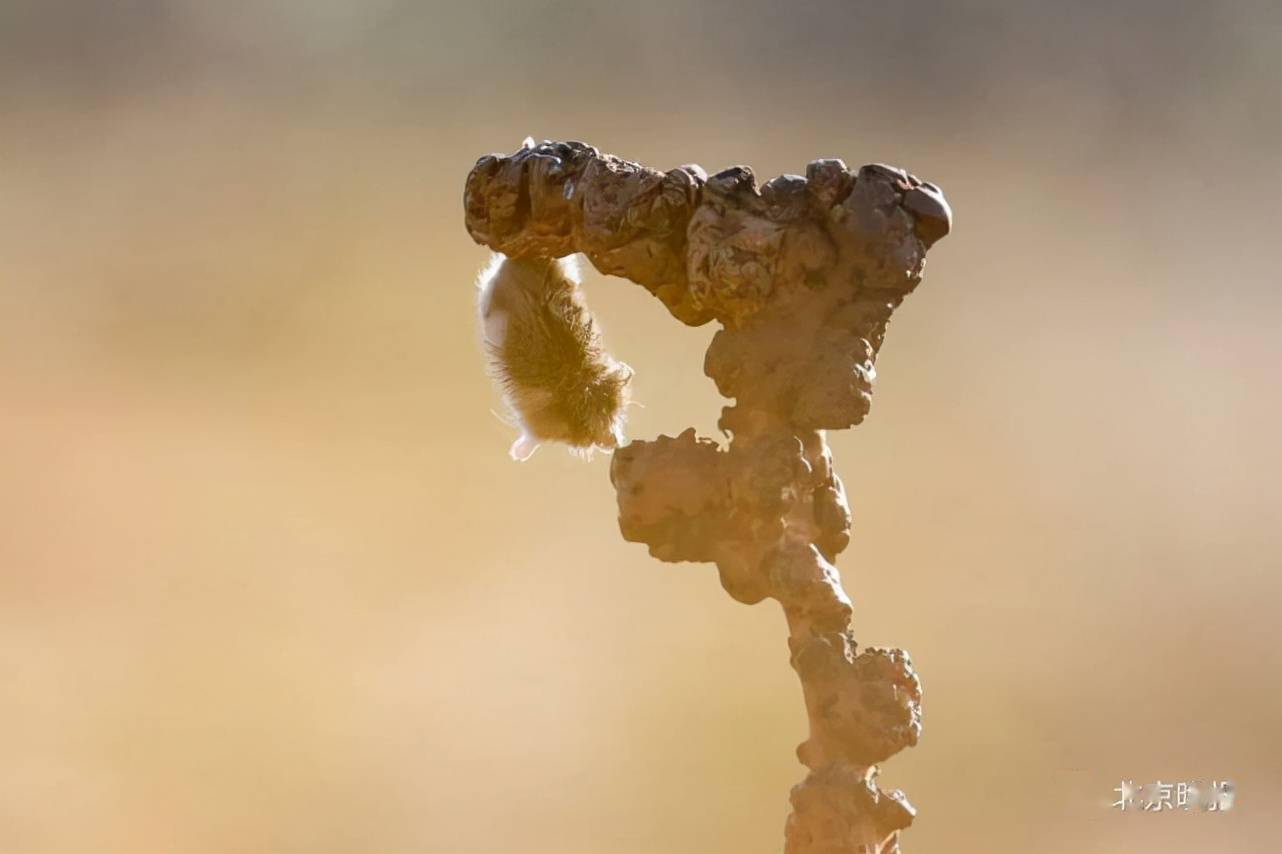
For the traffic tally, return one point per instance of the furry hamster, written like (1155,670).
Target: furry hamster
(545,354)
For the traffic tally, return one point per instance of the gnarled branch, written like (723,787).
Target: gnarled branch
(803,274)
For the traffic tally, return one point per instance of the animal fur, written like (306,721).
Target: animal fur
(545,354)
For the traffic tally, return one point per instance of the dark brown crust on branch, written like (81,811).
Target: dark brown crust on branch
(558,198)
(708,247)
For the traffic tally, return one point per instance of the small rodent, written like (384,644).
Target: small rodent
(545,354)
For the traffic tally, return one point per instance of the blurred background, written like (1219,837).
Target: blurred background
(268,581)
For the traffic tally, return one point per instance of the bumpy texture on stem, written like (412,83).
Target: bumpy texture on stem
(803,274)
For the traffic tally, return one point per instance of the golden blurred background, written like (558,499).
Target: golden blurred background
(269,583)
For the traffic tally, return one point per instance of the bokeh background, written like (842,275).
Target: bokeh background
(268,581)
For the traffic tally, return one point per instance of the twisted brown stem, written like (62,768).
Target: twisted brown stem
(803,274)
